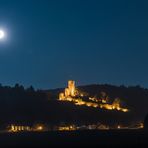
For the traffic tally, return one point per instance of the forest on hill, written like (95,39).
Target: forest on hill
(20,105)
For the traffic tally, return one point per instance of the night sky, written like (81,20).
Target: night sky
(90,41)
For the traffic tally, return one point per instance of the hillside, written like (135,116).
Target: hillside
(134,97)
(19,105)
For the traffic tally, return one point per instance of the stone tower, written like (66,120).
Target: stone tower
(71,87)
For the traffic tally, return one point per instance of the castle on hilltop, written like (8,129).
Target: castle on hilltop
(72,94)
(70,91)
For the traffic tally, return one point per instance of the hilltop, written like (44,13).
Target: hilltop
(28,105)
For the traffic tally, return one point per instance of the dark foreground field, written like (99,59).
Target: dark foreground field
(112,138)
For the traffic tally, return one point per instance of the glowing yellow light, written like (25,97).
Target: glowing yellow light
(141,125)
(40,128)
(67,128)
(19,128)
(71,94)
(119,127)
(103,101)
(81,95)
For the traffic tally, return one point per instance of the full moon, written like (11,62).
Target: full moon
(2,34)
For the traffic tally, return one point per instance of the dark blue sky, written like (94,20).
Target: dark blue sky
(90,41)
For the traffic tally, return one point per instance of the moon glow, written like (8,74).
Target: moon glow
(2,34)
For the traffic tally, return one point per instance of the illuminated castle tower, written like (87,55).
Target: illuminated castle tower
(71,87)
(69,91)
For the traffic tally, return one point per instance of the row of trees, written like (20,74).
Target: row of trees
(18,104)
